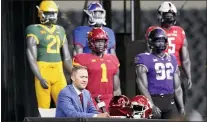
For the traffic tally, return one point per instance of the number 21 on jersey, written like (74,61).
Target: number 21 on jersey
(55,42)
(164,71)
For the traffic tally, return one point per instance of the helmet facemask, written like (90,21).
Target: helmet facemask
(98,46)
(138,110)
(168,18)
(50,17)
(141,107)
(159,45)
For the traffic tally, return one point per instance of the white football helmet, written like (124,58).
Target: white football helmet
(167,7)
(96,14)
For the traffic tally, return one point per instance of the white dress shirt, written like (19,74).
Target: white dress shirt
(79,92)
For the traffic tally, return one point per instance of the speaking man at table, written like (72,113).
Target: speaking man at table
(74,100)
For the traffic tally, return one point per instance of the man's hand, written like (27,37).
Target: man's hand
(103,115)
(182,112)
(156,112)
(44,83)
(189,84)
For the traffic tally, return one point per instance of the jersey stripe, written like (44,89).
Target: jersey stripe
(35,37)
(50,30)
(64,38)
(75,64)
(143,66)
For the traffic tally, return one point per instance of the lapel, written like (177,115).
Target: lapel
(76,98)
(85,102)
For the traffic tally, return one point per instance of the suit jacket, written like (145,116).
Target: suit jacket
(69,104)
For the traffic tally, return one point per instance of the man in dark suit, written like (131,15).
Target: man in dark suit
(74,100)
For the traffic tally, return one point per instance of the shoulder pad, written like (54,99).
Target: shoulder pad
(178,27)
(81,27)
(60,27)
(153,27)
(143,54)
(107,28)
(138,56)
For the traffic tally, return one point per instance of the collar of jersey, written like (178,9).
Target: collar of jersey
(164,56)
(97,57)
(50,30)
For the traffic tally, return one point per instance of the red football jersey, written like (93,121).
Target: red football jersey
(101,73)
(176,36)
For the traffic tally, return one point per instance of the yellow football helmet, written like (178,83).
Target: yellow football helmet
(47,12)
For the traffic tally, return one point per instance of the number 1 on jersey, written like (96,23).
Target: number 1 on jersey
(104,73)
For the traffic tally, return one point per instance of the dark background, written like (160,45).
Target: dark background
(18,93)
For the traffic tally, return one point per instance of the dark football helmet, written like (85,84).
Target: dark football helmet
(142,108)
(120,106)
(97,34)
(157,40)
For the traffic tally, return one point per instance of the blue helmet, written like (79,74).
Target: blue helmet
(96,14)
(157,40)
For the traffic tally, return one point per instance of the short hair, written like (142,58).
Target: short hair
(78,67)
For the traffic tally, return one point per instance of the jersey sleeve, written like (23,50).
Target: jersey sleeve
(32,31)
(182,35)
(63,34)
(76,60)
(80,60)
(79,37)
(174,61)
(140,59)
(112,40)
(116,63)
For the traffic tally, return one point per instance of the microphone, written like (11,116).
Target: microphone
(101,105)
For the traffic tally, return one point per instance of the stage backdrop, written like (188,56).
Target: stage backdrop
(18,93)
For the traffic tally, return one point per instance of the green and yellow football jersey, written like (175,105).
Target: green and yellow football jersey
(49,41)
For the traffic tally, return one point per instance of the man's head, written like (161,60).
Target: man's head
(47,12)
(96,14)
(157,40)
(97,40)
(167,14)
(79,77)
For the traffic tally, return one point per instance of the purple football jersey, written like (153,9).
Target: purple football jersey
(160,72)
